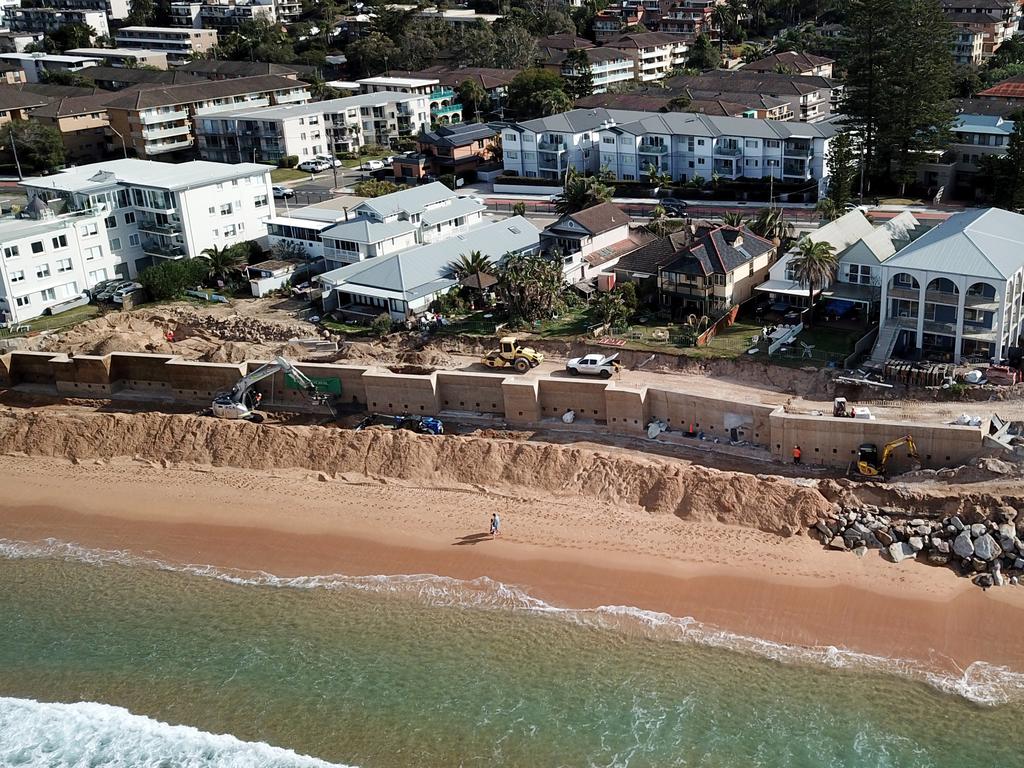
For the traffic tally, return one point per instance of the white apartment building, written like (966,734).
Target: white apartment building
(656,53)
(444,102)
(683,144)
(307,130)
(47,20)
(163,211)
(179,44)
(48,259)
(36,65)
(608,66)
(123,57)
(223,15)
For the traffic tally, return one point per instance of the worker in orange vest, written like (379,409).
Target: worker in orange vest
(796,454)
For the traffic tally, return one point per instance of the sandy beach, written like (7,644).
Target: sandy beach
(569,552)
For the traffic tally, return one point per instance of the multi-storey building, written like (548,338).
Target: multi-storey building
(219,69)
(83,125)
(811,98)
(444,102)
(656,53)
(307,130)
(687,18)
(36,65)
(160,121)
(682,144)
(127,58)
(222,15)
(48,20)
(968,46)
(608,66)
(455,149)
(794,63)
(160,211)
(16,104)
(995,20)
(179,44)
(973,138)
(119,78)
(48,259)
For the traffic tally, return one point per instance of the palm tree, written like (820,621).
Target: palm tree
(754,52)
(472,263)
(815,264)
(657,177)
(828,209)
(222,261)
(734,219)
(771,224)
(472,95)
(658,223)
(581,192)
(554,102)
(721,17)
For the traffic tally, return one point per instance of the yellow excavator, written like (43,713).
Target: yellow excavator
(871,464)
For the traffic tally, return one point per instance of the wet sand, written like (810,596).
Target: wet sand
(569,552)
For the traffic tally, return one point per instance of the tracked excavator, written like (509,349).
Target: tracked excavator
(242,402)
(871,464)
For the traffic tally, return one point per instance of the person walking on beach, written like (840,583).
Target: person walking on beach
(796,454)
(495,524)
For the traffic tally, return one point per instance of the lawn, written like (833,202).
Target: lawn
(346,329)
(731,342)
(63,320)
(281,175)
(361,159)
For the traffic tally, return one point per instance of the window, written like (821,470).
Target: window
(700,142)
(42,270)
(511,154)
(229,230)
(67,290)
(17,277)
(226,209)
(97,276)
(260,201)
(115,243)
(133,239)
(129,218)
(626,140)
(37,246)
(860,273)
(90,229)
(22,301)
(903,280)
(10,252)
(60,241)
(95,252)
(212,210)
(771,143)
(48,295)
(110,222)
(607,140)
(64,265)
(751,143)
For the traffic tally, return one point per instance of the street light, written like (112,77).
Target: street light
(117,133)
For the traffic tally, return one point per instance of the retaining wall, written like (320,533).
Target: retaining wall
(519,401)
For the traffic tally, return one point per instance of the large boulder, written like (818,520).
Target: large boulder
(901,551)
(986,548)
(963,546)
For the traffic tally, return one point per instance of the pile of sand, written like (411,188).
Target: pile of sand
(660,486)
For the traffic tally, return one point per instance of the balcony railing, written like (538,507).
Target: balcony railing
(170,229)
(728,151)
(981,302)
(162,133)
(446,110)
(163,117)
(801,152)
(904,293)
(442,93)
(652,149)
(550,146)
(151,248)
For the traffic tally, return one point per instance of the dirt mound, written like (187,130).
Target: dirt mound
(657,485)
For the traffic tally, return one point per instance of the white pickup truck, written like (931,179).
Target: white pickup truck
(594,365)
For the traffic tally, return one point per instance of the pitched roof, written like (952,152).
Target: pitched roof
(564,42)
(1011,88)
(457,135)
(986,243)
(991,106)
(213,67)
(211,89)
(412,200)
(595,220)
(16,98)
(658,253)
(790,60)
(594,55)
(124,75)
(720,251)
(767,83)
(488,77)
(54,91)
(639,40)
(368,231)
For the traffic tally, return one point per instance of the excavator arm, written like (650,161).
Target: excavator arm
(892,445)
(234,404)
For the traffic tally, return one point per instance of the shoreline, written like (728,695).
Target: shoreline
(569,553)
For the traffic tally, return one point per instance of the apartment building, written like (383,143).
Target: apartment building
(682,144)
(123,57)
(968,46)
(608,67)
(304,131)
(687,18)
(158,122)
(656,53)
(119,78)
(36,65)
(219,69)
(493,80)
(179,44)
(996,21)
(793,63)
(222,15)
(16,104)
(83,125)
(444,102)
(973,138)
(48,259)
(662,100)
(957,291)
(811,98)
(157,211)
(46,20)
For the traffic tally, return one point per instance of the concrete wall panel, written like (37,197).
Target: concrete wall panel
(626,410)
(196,382)
(38,368)
(556,396)
(84,375)
(474,392)
(397,393)
(522,407)
(141,371)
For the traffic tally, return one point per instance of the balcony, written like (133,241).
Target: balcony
(163,117)
(797,170)
(728,151)
(442,93)
(293,97)
(213,109)
(450,109)
(652,149)
(978,333)
(913,294)
(990,303)
(168,146)
(153,248)
(799,152)
(169,229)
(550,146)
(163,133)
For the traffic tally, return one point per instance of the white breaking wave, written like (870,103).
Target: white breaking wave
(980,682)
(90,735)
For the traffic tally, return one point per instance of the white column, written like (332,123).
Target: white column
(922,280)
(961,298)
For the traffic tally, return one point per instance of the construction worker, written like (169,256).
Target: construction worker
(796,454)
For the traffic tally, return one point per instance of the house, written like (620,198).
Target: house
(404,284)
(388,224)
(180,45)
(682,144)
(219,69)
(49,258)
(128,58)
(307,130)
(493,80)
(444,102)
(161,120)
(642,266)
(860,249)
(656,53)
(973,137)
(161,211)
(591,241)
(273,274)
(793,63)
(1011,89)
(451,149)
(716,271)
(955,292)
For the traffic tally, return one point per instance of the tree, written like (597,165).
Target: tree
(528,89)
(899,78)
(1005,174)
(657,177)
(609,309)
(734,219)
(142,13)
(519,209)
(581,192)
(40,147)
(814,264)
(842,164)
(553,102)
(289,250)
(580,80)
(721,19)
(828,209)
(474,45)
(514,46)
(530,286)
(375,188)
(704,55)
(170,279)
(472,96)
(771,224)
(381,325)
(415,51)
(658,223)
(222,261)
(370,55)
(679,103)
(448,179)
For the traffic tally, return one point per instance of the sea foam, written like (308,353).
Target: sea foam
(90,735)
(980,682)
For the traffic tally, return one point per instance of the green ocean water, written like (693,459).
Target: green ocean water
(424,672)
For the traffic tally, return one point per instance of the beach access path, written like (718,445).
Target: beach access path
(567,551)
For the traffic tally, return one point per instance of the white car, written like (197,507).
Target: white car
(124,290)
(313,166)
(594,365)
(331,162)
(282,193)
(372,165)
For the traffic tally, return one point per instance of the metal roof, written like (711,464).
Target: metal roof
(368,231)
(144,173)
(412,200)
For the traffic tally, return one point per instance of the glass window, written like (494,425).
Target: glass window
(90,229)
(17,277)
(22,301)
(60,241)
(64,265)
(48,294)
(133,239)
(37,246)
(42,270)
(10,251)
(110,222)
(94,252)
(129,218)
(115,243)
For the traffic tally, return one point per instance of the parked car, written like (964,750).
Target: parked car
(283,193)
(673,206)
(313,166)
(330,162)
(372,165)
(594,365)
(124,290)
(108,291)
(102,285)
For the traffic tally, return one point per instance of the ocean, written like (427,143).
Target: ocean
(110,660)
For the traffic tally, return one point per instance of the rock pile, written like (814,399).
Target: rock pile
(239,328)
(988,550)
